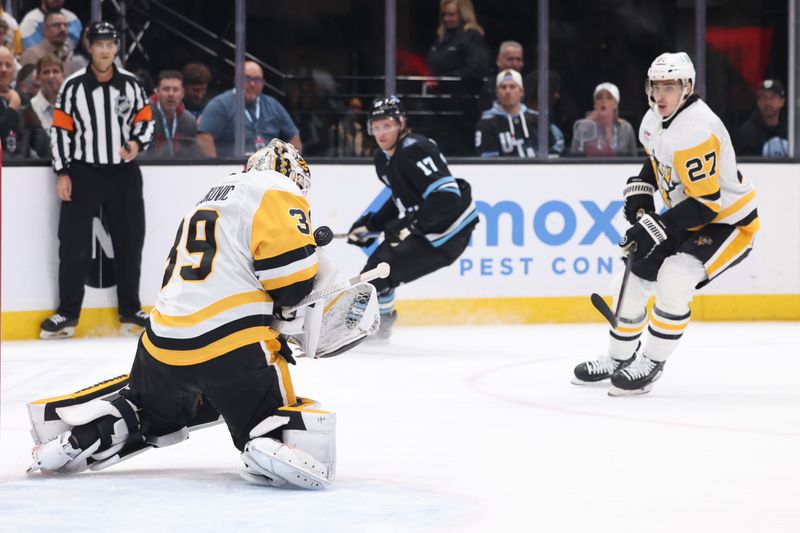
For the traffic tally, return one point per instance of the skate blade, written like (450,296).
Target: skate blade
(130,330)
(596,384)
(616,391)
(65,333)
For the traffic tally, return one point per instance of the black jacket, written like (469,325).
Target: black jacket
(460,53)
(754,132)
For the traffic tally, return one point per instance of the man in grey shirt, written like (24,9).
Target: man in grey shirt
(264,119)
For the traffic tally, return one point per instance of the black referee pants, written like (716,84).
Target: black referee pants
(118,188)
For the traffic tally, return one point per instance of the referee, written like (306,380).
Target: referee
(101,122)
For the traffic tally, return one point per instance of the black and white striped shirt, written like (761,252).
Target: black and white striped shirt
(92,120)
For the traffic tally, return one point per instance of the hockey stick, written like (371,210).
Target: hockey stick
(367,235)
(380,271)
(602,306)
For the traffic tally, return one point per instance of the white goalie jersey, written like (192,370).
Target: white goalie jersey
(247,242)
(694,158)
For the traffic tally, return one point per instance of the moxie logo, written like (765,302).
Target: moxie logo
(555,210)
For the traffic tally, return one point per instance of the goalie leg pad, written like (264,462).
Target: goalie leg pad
(99,429)
(276,461)
(306,430)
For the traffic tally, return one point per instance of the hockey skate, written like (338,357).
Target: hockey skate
(637,378)
(593,372)
(58,326)
(135,323)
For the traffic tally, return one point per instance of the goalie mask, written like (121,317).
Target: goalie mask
(671,67)
(283,158)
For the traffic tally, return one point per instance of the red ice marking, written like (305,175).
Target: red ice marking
(474,381)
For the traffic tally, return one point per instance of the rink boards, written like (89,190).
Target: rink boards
(546,239)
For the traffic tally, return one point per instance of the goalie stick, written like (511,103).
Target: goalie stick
(380,271)
(367,235)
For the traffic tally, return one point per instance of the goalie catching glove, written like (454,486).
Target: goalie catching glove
(334,326)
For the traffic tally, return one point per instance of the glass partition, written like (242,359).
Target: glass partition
(322,61)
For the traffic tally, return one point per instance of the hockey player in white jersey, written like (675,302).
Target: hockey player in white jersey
(707,227)
(212,350)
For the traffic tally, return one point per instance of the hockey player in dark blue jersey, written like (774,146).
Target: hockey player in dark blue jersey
(428,220)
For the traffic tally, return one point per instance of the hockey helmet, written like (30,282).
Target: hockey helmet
(388,107)
(283,158)
(101,30)
(671,66)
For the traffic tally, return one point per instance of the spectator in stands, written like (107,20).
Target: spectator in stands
(196,78)
(531,99)
(50,73)
(509,128)
(509,56)
(264,119)
(765,133)
(38,116)
(347,136)
(54,42)
(27,85)
(9,32)
(602,133)
(459,50)
(32,25)
(10,122)
(175,134)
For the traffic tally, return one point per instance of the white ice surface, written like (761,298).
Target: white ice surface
(456,429)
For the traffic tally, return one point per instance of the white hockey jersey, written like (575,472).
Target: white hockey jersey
(247,240)
(693,158)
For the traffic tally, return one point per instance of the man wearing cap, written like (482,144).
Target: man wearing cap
(509,128)
(765,132)
(510,55)
(602,133)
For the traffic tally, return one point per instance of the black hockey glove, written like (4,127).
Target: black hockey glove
(398,230)
(361,230)
(638,196)
(644,236)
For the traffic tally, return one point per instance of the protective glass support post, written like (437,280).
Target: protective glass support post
(794,78)
(123,31)
(238,97)
(700,46)
(97,10)
(543,67)
(390,61)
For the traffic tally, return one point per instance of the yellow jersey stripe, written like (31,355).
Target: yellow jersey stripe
(663,325)
(283,368)
(735,206)
(209,311)
(301,275)
(636,329)
(215,349)
(84,392)
(739,244)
